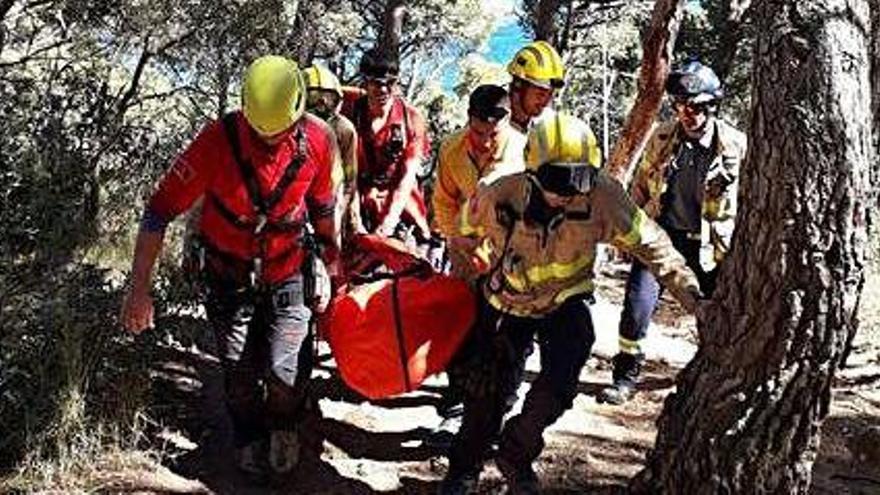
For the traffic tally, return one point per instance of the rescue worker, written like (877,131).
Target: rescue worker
(483,150)
(325,101)
(392,144)
(543,226)
(687,181)
(537,71)
(264,172)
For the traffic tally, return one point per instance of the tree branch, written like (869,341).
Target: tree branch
(174,42)
(166,94)
(5,7)
(132,90)
(33,55)
(657,57)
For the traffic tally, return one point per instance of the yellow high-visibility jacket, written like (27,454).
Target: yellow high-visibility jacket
(720,188)
(534,267)
(347,205)
(458,174)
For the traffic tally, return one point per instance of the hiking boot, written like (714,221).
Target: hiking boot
(459,485)
(283,450)
(617,394)
(252,460)
(450,407)
(441,438)
(520,480)
(625,374)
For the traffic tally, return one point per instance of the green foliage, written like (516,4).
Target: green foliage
(64,367)
(97,99)
(607,47)
(708,34)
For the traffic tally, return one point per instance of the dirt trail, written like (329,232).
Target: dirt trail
(356,446)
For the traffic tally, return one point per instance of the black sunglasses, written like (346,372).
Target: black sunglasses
(381,81)
(691,106)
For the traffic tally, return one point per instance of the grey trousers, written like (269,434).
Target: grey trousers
(265,347)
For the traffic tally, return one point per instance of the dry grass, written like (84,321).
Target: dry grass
(100,458)
(70,456)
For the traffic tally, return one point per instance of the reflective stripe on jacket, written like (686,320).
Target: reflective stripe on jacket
(720,188)
(535,268)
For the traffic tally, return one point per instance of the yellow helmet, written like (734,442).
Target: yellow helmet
(273,94)
(538,63)
(561,139)
(320,77)
(563,154)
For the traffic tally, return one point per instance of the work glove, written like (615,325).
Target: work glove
(317,287)
(323,287)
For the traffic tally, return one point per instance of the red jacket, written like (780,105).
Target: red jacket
(208,167)
(373,162)
(379,170)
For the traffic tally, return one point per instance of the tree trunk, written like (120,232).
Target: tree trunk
(736,13)
(564,37)
(392,28)
(875,107)
(545,20)
(656,59)
(747,411)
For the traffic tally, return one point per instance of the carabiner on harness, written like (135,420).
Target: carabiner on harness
(262,219)
(257,272)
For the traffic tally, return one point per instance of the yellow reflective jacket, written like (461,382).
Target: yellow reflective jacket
(720,189)
(348,207)
(458,174)
(346,136)
(536,267)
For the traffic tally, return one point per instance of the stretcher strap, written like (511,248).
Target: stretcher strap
(418,271)
(398,326)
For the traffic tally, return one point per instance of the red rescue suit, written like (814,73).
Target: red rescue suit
(381,158)
(294,177)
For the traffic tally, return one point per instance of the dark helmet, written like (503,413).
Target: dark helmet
(489,103)
(377,65)
(694,81)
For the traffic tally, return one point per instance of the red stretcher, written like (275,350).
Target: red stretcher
(395,321)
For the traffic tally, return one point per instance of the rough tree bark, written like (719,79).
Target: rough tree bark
(545,20)
(656,59)
(736,14)
(392,28)
(746,414)
(875,107)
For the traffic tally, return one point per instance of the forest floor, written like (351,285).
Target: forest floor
(359,447)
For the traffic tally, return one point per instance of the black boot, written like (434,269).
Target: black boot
(463,484)
(520,480)
(625,375)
